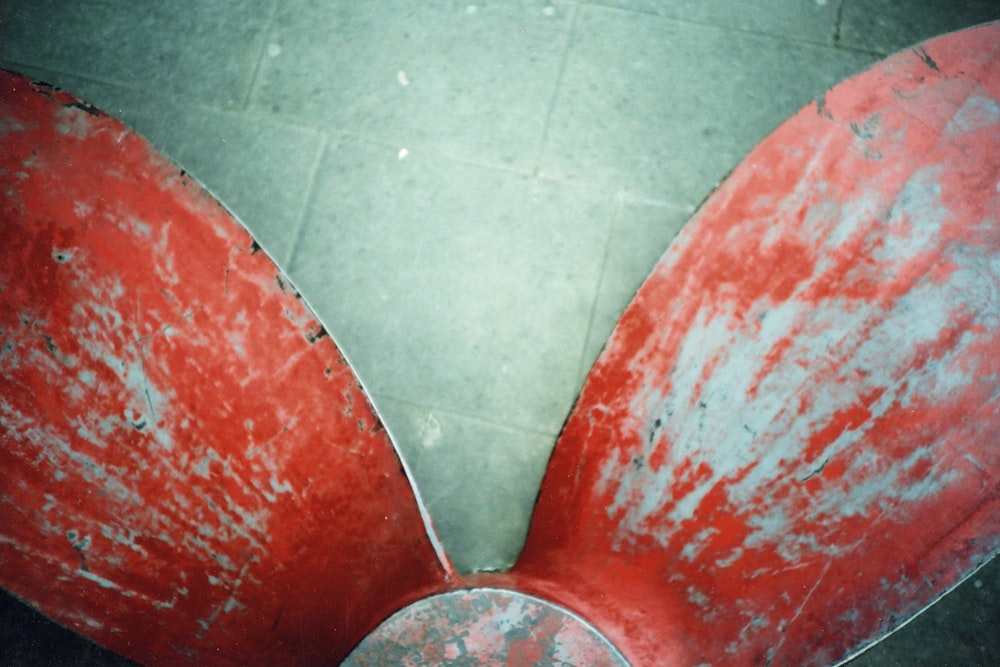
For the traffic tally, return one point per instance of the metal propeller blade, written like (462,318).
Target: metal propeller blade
(787,449)
(791,443)
(192,472)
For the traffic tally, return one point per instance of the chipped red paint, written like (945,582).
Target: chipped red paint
(789,445)
(786,450)
(191,472)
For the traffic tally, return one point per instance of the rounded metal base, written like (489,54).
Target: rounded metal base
(484,626)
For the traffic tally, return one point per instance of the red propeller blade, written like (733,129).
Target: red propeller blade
(791,443)
(191,471)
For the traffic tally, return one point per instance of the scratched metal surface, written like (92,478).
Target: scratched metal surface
(191,472)
(785,451)
(484,626)
(789,445)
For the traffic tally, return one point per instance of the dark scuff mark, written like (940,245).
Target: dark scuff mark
(80,545)
(86,108)
(284,285)
(61,97)
(277,618)
(816,471)
(822,109)
(926,57)
(53,349)
(313,336)
(861,132)
(145,390)
(254,247)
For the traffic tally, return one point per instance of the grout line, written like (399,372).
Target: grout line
(707,24)
(266,32)
(504,426)
(570,35)
(300,219)
(582,368)
(591,186)
(413,149)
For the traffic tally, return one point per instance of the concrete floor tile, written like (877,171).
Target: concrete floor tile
(886,26)
(799,20)
(479,480)
(150,46)
(640,234)
(454,285)
(665,109)
(470,81)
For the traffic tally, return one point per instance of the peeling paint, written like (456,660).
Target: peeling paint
(795,390)
(158,422)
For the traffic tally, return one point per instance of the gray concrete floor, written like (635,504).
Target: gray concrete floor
(469,192)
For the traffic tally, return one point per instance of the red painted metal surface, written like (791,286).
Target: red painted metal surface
(191,472)
(787,448)
(790,443)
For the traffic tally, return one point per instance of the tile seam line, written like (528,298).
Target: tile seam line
(599,189)
(90,78)
(426,150)
(266,38)
(16,66)
(706,24)
(375,396)
(582,372)
(560,74)
(325,144)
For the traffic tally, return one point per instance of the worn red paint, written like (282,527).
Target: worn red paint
(484,626)
(788,446)
(191,470)
(786,449)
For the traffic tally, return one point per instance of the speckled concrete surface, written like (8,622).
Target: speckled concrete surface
(470,192)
